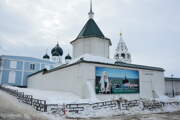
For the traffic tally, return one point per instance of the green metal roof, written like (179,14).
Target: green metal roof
(90,29)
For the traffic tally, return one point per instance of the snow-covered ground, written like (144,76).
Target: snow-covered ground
(52,97)
(11,109)
(56,97)
(160,116)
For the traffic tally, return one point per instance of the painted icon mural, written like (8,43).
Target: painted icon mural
(116,81)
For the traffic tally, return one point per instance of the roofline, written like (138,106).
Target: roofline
(92,36)
(19,56)
(85,61)
(171,79)
(128,65)
(35,58)
(43,70)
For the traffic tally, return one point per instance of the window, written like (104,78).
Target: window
(12,77)
(13,64)
(128,56)
(0,62)
(123,55)
(0,76)
(32,66)
(117,56)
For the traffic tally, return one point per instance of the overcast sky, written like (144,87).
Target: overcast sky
(151,28)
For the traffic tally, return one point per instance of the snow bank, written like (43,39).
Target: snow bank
(51,97)
(11,109)
(102,109)
(168,99)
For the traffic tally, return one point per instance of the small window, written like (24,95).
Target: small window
(12,77)
(13,64)
(0,76)
(128,56)
(123,55)
(117,56)
(32,66)
(0,62)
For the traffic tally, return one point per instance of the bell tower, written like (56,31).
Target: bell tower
(122,54)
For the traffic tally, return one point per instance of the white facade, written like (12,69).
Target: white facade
(122,54)
(74,79)
(92,45)
(57,59)
(67,79)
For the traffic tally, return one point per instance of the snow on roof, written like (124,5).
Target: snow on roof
(104,60)
(99,60)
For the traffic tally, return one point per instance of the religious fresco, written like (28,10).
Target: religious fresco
(116,81)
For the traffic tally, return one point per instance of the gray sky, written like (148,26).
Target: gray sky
(151,28)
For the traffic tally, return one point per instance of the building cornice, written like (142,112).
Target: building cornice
(92,37)
(81,60)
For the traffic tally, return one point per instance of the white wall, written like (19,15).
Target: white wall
(149,81)
(74,79)
(94,46)
(66,79)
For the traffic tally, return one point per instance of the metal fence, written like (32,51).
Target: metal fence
(39,105)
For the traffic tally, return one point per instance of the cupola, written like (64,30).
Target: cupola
(57,50)
(46,56)
(68,58)
(57,53)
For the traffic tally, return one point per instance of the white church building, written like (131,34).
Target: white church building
(93,74)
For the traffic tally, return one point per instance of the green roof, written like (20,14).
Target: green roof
(90,29)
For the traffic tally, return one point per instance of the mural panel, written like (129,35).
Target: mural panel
(116,81)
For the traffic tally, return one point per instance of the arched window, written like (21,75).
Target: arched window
(123,55)
(117,55)
(128,56)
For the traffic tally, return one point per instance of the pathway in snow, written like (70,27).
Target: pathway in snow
(11,109)
(161,116)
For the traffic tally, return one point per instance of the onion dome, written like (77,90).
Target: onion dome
(68,57)
(57,51)
(46,56)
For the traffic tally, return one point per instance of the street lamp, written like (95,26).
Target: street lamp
(172,85)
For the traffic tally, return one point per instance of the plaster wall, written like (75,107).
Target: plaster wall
(149,81)
(74,79)
(66,79)
(94,46)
